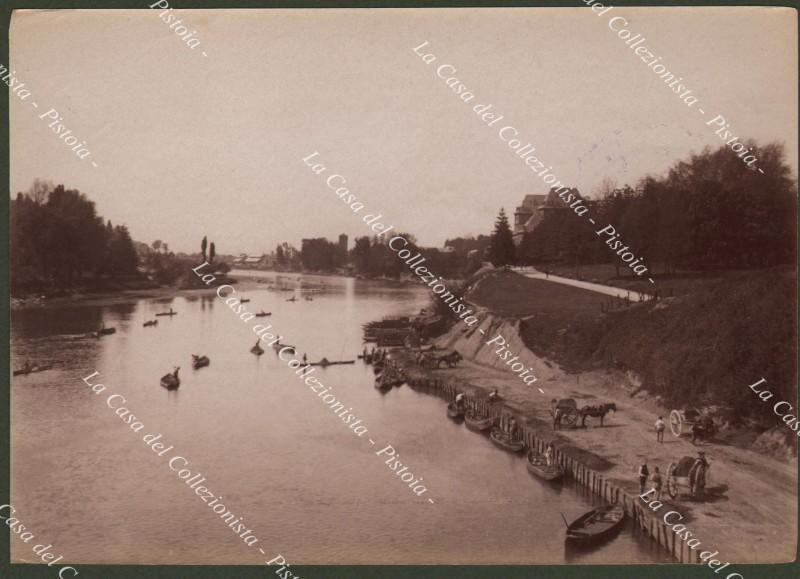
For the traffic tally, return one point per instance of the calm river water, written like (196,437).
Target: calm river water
(308,487)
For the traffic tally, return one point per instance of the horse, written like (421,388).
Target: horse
(596,411)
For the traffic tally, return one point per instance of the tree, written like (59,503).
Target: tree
(156,245)
(501,246)
(280,257)
(203,246)
(211,253)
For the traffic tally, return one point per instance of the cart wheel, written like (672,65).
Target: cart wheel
(675,423)
(672,485)
(570,417)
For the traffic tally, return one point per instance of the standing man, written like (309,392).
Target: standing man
(658,482)
(644,473)
(660,427)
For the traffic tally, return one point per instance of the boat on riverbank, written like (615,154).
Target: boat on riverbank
(537,466)
(454,411)
(503,440)
(32,369)
(596,525)
(478,423)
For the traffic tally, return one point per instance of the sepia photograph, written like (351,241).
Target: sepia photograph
(355,286)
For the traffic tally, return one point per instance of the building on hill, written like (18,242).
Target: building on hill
(533,209)
(527,216)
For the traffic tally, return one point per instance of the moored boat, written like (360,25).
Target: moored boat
(200,361)
(478,423)
(537,465)
(169,313)
(150,323)
(262,314)
(503,440)
(454,411)
(171,381)
(32,369)
(596,525)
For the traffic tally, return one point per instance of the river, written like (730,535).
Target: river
(303,481)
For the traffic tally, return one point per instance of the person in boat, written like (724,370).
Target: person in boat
(513,429)
(644,474)
(460,400)
(305,359)
(549,452)
(493,395)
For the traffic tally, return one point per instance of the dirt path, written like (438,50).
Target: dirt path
(534,273)
(750,515)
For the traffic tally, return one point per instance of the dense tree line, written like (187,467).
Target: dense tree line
(708,212)
(58,239)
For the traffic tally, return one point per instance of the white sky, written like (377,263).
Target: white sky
(188,145)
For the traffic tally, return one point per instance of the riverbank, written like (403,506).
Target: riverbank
(749,511)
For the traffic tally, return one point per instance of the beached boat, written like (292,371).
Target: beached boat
(200,361)
(596,525)
(28,369)
(169,313)
(454,411)
(478,423)
(150,323)
(262,314)
(171,381)
(504,440)
(537,465)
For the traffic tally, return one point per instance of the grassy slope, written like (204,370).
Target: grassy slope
(702,348)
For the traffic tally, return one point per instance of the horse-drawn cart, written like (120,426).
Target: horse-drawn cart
(688,475)
(684,421)
(567,410)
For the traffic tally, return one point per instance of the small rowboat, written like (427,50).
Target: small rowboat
(169,313)
(200,362)
(106,331)
(537,465)
(476,423)
(150,323)
(292,299)
(171,381)
(454,411)
(25,370)
(325,362)
(262,314)
(504,440)
(595,525)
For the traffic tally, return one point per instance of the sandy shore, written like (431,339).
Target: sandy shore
(749,515)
